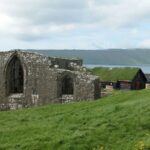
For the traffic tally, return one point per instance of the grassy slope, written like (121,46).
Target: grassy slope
(117,122)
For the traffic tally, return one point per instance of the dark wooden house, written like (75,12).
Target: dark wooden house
(121,78)
(137,81)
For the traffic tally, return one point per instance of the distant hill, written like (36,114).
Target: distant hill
(104,57)
(117,122)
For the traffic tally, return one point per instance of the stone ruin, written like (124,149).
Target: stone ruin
(28,79)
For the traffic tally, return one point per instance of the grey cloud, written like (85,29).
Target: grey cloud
(106,2)
(31,37)
(43,14)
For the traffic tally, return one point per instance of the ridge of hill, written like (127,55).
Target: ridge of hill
(118,122)
(104,57)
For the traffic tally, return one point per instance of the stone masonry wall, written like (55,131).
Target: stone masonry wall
(43,81)
(87,87)
(64,63)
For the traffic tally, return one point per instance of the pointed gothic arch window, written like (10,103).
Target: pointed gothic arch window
(14,76)
(67,85)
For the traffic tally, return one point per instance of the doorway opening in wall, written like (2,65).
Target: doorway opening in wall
(67,85)
(67,89)
(14,76)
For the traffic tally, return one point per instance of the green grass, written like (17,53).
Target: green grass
(118,122)
(114,74)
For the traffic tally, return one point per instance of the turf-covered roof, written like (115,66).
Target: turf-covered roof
(114,74)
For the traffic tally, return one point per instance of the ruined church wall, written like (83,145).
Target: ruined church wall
(65,63)
(87,88)
(41,82)
(4,57)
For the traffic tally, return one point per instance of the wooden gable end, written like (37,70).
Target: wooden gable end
(139,81)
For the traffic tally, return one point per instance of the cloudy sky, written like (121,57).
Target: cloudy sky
(74,24)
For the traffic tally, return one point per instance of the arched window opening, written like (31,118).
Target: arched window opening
(67,86)
(14,76)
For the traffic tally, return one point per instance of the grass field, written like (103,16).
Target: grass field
(118,122)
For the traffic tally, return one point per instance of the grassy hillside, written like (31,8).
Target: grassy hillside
(118,122)
(104,57)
